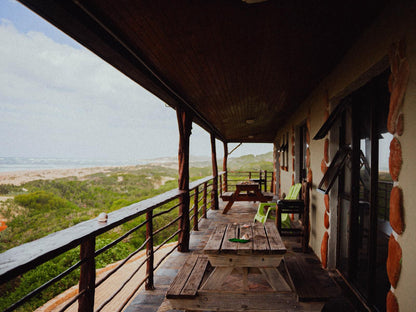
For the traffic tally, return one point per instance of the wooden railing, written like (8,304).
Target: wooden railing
(264,177)
(26,257)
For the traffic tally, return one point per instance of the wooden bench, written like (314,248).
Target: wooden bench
(226,196)
(311,282)
(189,278)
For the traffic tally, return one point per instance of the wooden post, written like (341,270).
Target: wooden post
(305,217)
(276,168)
(87,276)
(260,179)
(220,185)
(204,207)
(214,173)
(224,167)
(196,209)
(185,126)
(149,285)
(265,180)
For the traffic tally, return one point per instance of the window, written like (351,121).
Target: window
(284,149)
(334,170)
(360,167)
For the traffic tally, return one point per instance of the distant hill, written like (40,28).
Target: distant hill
(252,162)
(246,162)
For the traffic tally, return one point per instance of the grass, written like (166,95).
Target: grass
(47,206)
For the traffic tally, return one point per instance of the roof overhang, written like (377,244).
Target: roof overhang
(241,68)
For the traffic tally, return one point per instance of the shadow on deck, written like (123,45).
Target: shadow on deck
(241,212)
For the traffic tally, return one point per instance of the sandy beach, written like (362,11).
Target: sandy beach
(20,177)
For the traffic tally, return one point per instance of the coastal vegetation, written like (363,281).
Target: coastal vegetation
(41,207)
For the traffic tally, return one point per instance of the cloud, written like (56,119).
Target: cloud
(52,93)
(58,100)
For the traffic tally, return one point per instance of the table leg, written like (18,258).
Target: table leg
(217,278)
(245,279)
(231,202)
(275,279)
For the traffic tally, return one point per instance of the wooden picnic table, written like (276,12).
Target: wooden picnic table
(247,191)
(221,279)
(265,251)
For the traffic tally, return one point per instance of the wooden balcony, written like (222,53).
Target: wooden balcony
(316,280)
(315,288)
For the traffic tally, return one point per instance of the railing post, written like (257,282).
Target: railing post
(220,185)
(224,167)
(212,198)
(260,178)
(185,127)
(149,285)
(196,208)
(87,276)
(204,207)
(214,173)
(265,180)
(249,175)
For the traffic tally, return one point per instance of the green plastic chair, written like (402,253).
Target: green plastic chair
(294,191)
(293,194)
(262,216)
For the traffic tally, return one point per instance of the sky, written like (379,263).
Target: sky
(58,99)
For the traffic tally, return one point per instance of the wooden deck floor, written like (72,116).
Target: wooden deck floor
(154,300)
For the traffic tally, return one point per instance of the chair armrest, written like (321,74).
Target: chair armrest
(290,202)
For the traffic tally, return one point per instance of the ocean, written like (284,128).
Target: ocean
(32,163)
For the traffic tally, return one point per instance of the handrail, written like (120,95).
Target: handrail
(23,258)
(20,259)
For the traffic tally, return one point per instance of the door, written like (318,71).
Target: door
(363,227)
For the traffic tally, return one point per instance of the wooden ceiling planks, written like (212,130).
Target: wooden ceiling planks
(227,60)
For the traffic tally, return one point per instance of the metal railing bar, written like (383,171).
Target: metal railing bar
(166,240)
(121,263)
(72,301)
(165,256)
(108,300)
(132,294)
(165,211)
(44,286)
(166,225)
(100,251)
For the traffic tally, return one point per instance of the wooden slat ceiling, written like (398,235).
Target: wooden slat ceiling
(226,60)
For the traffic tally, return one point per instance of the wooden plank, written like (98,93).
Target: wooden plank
(311,282)
(275,241)
(244,260)
(244,301)
(217,277)
(261,243)
(181,278)
(245,248)
(226,196)
(214,242)
(275,279)
(194,281)
(231,232)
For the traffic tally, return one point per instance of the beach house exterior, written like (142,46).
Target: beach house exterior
(331,84)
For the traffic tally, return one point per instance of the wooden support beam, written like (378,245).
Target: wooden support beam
(87,276)
(149,285)
(214,173)
(185,127)
(276,168)
(224,167)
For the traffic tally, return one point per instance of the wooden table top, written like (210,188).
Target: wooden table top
(264,239)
